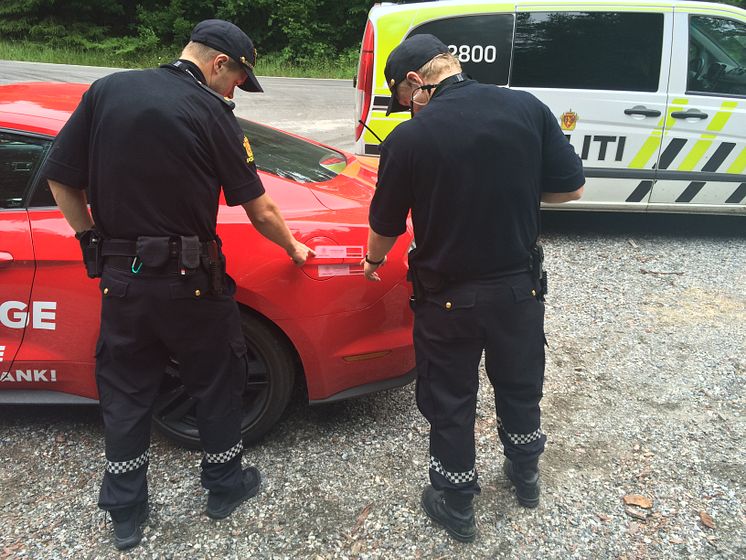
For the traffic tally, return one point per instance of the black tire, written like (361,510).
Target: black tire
(272,368)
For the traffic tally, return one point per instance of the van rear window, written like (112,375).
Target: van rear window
(481,43)
(588,50)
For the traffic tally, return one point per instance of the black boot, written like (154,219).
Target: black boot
(128,525)
(221,505)
(525,478)
(459,523)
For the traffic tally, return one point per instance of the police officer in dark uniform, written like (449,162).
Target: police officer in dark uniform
(472,166)
(154,148)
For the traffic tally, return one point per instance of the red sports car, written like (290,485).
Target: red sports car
(321,325)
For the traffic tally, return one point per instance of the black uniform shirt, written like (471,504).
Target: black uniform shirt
(154,148)
(471,165)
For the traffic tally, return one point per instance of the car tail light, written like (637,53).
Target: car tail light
(364,91)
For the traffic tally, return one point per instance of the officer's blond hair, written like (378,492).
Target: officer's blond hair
(206,55)
(439,65)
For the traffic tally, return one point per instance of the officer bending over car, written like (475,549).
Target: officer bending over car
(154,148)
(472,166)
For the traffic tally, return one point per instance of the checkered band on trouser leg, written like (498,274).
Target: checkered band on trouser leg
(452,477)
(225,456)
(121,467)
(519,439)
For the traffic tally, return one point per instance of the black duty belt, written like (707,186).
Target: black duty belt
(130,264)
(128,248)
(161,254)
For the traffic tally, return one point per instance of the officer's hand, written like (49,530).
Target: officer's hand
(370,270)
(300,253)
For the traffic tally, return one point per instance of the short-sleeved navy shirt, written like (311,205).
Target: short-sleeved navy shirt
(154,148)
(471,166)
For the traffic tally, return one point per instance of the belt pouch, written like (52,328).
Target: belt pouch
(93,259)
(190,252)
(216,268)
(153,251)
(430,281)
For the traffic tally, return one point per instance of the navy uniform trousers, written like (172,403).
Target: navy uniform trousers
(147,319)
(504,318)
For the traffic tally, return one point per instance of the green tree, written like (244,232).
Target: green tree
(65,22)
(303,30)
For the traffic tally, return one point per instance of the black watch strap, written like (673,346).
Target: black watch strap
(374,262)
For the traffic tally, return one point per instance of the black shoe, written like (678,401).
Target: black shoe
(221,505)
(460,525)
(526,482)
(128,525)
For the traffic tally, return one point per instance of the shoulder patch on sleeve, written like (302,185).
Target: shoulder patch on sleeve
(249,152)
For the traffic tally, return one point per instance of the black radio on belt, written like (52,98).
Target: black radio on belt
(536,265)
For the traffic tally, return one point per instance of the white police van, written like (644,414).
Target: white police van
(652,95)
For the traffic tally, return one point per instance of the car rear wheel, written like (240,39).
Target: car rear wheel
(271,373)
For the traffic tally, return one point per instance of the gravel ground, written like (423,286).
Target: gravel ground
(644,396)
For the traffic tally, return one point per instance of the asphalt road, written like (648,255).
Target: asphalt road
(319,109)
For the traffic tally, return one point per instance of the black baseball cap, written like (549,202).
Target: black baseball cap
(409,56)
(227,38)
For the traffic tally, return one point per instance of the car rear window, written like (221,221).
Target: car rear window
(292,158)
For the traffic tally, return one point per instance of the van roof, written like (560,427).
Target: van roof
(418,4)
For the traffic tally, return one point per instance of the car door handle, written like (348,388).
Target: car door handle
(642,110)
(689,114)
(5,258)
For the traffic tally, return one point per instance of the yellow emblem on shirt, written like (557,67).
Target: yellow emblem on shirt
(249,153)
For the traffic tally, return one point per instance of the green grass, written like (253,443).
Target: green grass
(271,64)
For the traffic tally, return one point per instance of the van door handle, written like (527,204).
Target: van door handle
(689,114)
(642,110)
(5,258)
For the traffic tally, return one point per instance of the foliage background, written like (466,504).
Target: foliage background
(287,33)
(298,31)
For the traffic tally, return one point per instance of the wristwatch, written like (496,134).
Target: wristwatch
(374,263)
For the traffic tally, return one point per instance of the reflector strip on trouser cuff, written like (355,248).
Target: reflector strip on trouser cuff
(225,456)
(519,439)
(121,467)
(452,477)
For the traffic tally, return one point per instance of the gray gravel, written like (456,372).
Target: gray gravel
(644,395)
